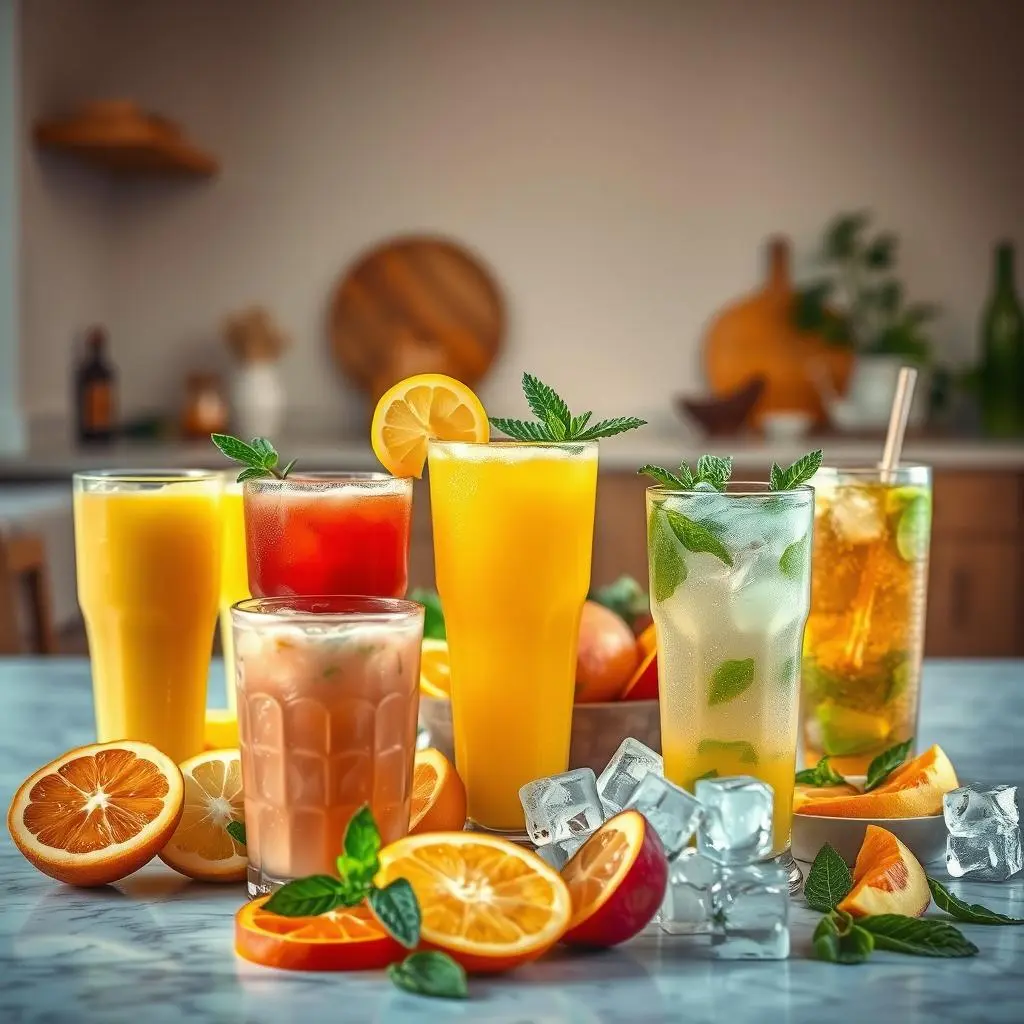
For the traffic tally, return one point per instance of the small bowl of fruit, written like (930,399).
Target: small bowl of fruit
(616,692)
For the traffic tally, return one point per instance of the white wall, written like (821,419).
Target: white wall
(618,163)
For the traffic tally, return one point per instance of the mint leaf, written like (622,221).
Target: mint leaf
(663,476)
(546,404)
(822,774)
(828,882)
(430,974)
(795,560)
(799,473)
(253,473)
(522,430)
(696,538)
(288,468)
(266,451)
(711,469)
(886,763)
(433,614)
(839,940)
(729,680)
(307,897)
(917,936)
(259,456)
(578,423)
(362,840)
(686,476)
(237,450)
(744,751)
(398,911)
(608,428)
(972,913)
(667,567)
(711,773)
(236,829)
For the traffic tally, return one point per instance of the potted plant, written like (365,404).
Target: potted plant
(860,304)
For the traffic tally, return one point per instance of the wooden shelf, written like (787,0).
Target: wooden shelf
(119,137)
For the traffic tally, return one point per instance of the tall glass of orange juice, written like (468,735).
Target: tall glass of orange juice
(147,550)
(513,530)
(234,577)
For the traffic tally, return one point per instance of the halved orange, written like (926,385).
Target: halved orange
(617,882)
(348,939)
(438,794)
(435,669)
(201,847)
(98,812)
(428,405)
(221,729)
(489,904)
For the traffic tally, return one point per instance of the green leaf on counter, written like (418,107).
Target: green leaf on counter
(838,939)
(886,763)
(828,882)
(970,913)
(917,936)
(307,897)
(430,974)
(729,680)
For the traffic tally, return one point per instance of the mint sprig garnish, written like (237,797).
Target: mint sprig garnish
(236,829)
(555,423)
(711,469)
(799,473)
(828,882)
(971,913)
(886,763)
(822,774)
(395,907)
(259,457)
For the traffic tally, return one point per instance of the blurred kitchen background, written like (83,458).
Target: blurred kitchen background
(736,219)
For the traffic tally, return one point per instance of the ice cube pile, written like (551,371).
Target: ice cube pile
(722,888)
(984,841)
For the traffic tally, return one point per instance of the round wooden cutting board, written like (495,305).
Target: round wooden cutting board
(416,305)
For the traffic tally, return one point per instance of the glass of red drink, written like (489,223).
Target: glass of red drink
(328,533)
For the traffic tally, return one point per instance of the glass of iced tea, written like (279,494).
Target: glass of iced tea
(865,633)
(328,694)
(328,533)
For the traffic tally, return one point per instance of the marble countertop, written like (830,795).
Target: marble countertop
(625,453)
(159,947)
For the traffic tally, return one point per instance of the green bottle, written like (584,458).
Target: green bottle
(1002,340)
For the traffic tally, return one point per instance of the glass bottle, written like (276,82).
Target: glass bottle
(95,391)
(1002,340)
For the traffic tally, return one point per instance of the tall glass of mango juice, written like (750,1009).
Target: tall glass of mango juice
(147,549)
(513,527)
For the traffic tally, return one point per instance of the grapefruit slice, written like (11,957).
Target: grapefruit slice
(617,882)
(438,795)
(428,405)
(489,904)
(98,812)
(348,939)
(201,847)
(435,669)
(888,879)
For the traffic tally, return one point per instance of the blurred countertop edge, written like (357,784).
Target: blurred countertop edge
(618,454)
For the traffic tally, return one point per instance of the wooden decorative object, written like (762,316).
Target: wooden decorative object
(416,305)
(726,415)
(755,337)
(117,135)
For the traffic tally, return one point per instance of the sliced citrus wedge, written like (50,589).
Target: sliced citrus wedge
(428,405)
(438,795)
(888,878)
(201,847)
(221,729)
(348,939)
(488,903)
(643,684)
(97,813)
(435,669)
(617,881)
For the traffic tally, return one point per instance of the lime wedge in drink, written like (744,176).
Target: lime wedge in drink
(845,731)
(914,529)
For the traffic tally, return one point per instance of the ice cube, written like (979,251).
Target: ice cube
(766,604)
(857,515)
(560,853)
(669,809)
(751,913)
(990,856)
(969,810)
(738,825)
(687,907)
(624,772)
(562,806)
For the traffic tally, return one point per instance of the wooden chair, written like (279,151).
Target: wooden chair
(24,578)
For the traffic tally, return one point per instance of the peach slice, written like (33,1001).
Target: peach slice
(617,882)
(932,767)
(804,794)
(887,878)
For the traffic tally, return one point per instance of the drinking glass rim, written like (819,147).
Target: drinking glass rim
(873,471)
(764,490)
(361,608)
(329,476)
(434,442)
(146,476)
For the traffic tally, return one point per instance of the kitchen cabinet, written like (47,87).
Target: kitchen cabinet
(976,577)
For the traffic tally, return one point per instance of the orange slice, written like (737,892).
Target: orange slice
(617,882)
(97,813)
(488,903)
(647,641)
(888,878)
(201,847)
(435,669)
(438,795)
(643,684)
(429,405)
(348,939)
(221,729)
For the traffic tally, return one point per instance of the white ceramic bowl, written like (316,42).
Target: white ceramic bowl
(786,425)
(924,837)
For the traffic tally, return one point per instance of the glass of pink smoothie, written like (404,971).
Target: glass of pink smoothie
(328,696)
